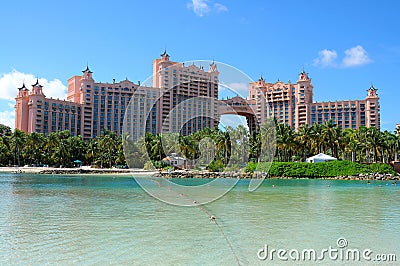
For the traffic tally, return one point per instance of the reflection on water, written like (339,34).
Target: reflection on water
(104,220)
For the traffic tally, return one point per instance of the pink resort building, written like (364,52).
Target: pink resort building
(293,105)
(182,98)
(189,95)
(179,94)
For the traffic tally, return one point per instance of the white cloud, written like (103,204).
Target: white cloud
(326,58)
(220,7)
(202,7)
(9,82)
(242,89)
(356,56)
(232,121)
(232,89)
(7,118)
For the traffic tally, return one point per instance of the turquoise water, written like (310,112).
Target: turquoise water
(98,220)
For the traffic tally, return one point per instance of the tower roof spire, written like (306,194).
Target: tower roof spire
(36,83)
(87,70)
(23,87)
(213,67)
(165,53)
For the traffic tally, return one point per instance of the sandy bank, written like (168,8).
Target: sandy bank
(80,170)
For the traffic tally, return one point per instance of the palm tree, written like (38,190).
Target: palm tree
(157,149)
(341,142)
(224,146)
(107,147)
(77,148)
(50,147)
(4,150)
(17,144)
(91,150)
(303,139)
(62,151)
(316,138)
(352,143)
(388,146)
(374,141)
(33,150)
(255,147)
(187,148)
(328,133)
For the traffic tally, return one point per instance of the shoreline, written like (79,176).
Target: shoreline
(183,173)
(243,175)
(75,171)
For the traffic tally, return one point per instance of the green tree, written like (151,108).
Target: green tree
(17,144)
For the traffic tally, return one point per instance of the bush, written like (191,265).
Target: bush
(148,166)
(325,169)
(216,166)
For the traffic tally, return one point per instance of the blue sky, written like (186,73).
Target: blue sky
(344,45)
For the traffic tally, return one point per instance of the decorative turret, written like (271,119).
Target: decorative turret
(372,92)
(165,56)
(23,91)
(87,74)
(261,81)
(23,88)
(303,76)
(213,67)
(37,88)
(305,88)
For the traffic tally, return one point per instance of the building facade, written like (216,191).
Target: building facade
(183,99)
(104,105)
(293,105)
(188,96)
(37,113)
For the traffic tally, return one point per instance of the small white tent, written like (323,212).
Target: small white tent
(320,158)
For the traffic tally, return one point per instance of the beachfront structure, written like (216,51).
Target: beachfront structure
(184,99)
(292,104)
(188,95)
(34,112)
(398,129)
(103,105)
(319,158)
(90,108)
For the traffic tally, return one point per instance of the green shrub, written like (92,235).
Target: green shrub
(324,169)
(151,165)
(216,166)
(148,166)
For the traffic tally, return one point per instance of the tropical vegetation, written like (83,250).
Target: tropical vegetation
(323,169)
(212,149)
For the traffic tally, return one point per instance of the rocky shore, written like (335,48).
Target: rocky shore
(183,173)
(243,175)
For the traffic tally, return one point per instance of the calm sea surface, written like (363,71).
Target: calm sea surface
(101,220)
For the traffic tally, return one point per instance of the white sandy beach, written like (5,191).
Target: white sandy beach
(86,169)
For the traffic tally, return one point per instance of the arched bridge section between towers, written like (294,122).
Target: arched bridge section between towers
(239,106)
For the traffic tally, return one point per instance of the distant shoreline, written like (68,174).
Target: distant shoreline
(243,175)
(79,171)
(180,173)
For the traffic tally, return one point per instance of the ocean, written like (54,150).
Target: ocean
(106,220)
